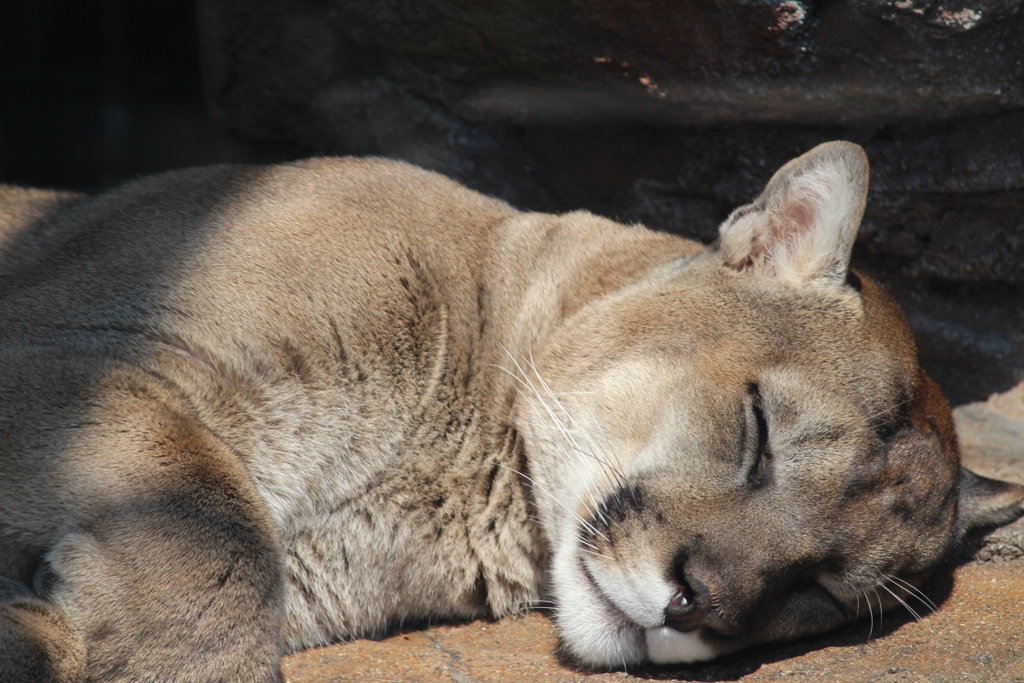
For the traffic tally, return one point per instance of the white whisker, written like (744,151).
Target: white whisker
(881,610)
(869,418)
(901,601)
(597,554)
(567,432)
(591,528)
(556,422)
(594,445)
(870,615)
(914,590)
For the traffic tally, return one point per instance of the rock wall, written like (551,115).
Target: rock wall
(671,112)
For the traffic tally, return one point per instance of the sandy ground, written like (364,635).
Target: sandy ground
(976,635)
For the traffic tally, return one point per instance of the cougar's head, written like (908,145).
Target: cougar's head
(742,448)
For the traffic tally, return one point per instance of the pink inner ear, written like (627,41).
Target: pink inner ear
(791,216)
(801,215)
(786,227)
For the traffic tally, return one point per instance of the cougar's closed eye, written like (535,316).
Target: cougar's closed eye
(759,471)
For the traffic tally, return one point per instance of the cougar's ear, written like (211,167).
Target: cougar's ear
(801,229)
(988,502)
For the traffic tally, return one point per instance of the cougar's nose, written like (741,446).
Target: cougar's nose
(683,613)
(690,608)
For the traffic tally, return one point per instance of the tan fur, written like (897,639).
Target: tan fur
(245,410)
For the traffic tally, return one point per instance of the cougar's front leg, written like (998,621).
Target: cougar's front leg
(167,566)
(38,644)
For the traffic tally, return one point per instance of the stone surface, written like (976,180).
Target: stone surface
(692,62)
(672,113)
(975,635)
(992,433)
(992,442)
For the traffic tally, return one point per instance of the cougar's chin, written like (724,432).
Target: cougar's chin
(666,645)
(599,633)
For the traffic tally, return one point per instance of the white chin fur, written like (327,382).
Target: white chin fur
(666,645)
(594,631)
(600,634)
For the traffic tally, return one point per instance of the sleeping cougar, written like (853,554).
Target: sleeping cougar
(248,410)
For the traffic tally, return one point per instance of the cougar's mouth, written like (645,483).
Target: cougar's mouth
(661,643)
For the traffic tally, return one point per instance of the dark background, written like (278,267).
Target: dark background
(667,112)
(95,92)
